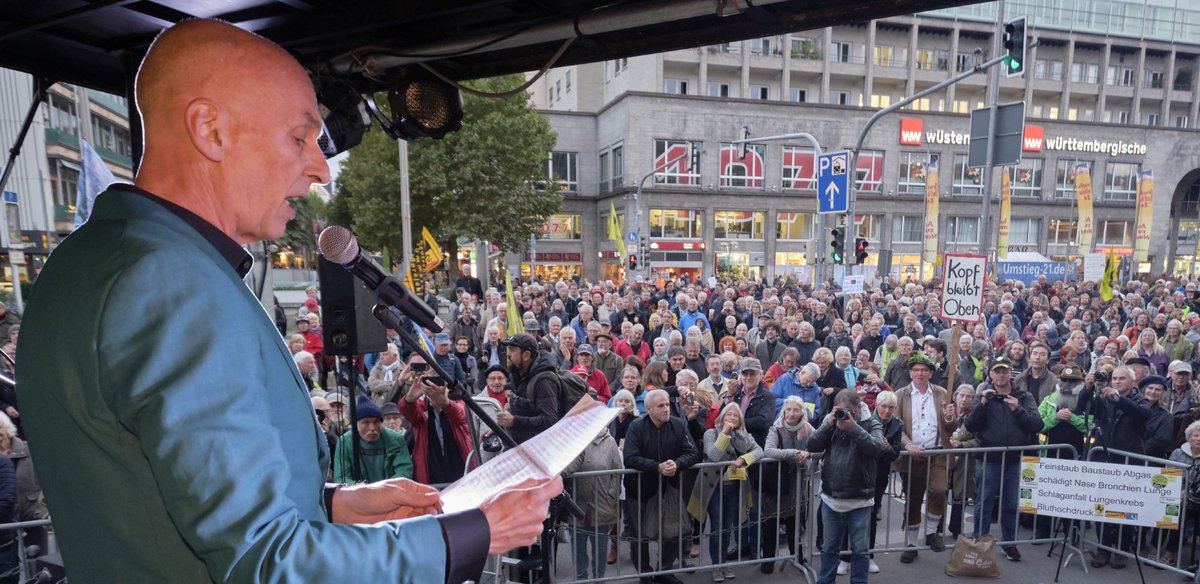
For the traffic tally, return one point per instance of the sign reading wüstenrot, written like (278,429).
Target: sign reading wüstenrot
(1099,491)
(962,286)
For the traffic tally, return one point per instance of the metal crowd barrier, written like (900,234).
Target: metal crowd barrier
(1161,540)
(24,563)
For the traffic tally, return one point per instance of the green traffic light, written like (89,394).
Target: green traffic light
(837,257)
(1012,63)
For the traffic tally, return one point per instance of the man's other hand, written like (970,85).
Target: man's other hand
(515,516)
(384,501)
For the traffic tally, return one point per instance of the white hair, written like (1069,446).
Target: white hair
(303,357)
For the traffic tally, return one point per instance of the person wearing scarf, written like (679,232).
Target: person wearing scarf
(786,442)
(386,377)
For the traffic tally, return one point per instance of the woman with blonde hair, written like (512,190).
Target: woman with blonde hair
(1151,350)
(719,492)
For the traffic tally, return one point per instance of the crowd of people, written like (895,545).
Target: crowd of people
(738,373)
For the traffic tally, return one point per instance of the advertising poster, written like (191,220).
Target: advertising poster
(930,251)
(1083,196)
(1145,210)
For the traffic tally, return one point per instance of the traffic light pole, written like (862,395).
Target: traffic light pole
(852,188)
(637,204)
(819,256)
(993,89)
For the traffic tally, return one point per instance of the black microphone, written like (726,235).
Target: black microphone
(339,246)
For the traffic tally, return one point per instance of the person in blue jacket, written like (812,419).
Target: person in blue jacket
(176,441)
(802,383)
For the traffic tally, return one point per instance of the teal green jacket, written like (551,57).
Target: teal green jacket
(175,440)
(386,458)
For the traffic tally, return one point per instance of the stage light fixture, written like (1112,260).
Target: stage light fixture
(344,117)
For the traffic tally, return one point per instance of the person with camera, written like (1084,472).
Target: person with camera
(1063,422)
(441,438)
(922,408)
(1002,415)
(852,443)
(1120,414)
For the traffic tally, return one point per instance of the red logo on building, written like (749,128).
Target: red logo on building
(1034,137)
(911,130)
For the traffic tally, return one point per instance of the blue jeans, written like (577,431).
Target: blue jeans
(724,508)
(586,538)
(857,524)
(998,480)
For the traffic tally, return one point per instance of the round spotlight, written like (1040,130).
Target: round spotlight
(425,108)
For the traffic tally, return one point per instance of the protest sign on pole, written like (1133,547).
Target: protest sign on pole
(1099,491)
(853,284)
(962,286)
(1093,267)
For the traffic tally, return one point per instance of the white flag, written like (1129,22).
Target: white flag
(92,181)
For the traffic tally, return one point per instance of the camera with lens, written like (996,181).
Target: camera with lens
(996,396)
(1102,377)
(840,415)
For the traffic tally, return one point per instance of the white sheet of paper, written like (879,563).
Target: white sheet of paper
(541,457)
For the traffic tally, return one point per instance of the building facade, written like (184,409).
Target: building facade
(1114,92)
(39,199)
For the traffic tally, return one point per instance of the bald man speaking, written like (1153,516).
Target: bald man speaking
(175,440)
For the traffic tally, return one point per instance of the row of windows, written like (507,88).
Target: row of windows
(801,226)
(674,159)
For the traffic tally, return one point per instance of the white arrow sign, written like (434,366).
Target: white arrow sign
(831,191)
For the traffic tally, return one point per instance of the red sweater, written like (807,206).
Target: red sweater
(415,413)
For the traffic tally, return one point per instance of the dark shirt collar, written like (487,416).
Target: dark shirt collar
(239,259)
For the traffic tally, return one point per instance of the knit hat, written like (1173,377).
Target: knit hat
(365,408)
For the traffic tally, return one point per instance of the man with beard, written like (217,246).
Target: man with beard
(1062,423)
(634,345)
(626,312)
(533,405)
(872,339)
(693,359)
(606,360)
(897,370)
(382,453)
(769,350)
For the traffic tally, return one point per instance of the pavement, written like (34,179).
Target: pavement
(1035,566)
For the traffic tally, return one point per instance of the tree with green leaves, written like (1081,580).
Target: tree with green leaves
(481,182)
(300,233)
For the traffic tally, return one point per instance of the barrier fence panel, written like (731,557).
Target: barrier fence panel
(1168,545)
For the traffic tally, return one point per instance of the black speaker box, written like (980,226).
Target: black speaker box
(347,323)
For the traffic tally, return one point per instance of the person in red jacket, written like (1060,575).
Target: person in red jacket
(441,439)
(594,377)
(634,345)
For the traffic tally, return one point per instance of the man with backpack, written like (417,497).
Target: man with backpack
(541,393)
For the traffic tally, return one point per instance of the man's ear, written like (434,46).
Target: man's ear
(207,128)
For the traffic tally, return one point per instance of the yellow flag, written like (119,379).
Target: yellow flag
(1110,276)
(433,252)
(515,324)
(614,229)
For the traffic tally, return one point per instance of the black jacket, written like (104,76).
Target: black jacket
(759,414)
(646,445)
(851,459)
(996,425)
(1122,423)
(534,409)
(1160,429)
(806,348)
(836,378)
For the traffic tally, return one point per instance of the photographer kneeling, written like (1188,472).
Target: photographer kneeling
(853,443)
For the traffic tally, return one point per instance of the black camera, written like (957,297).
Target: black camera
(996,396)
(840,415)
(419,367)
(436,380)
(1102,377)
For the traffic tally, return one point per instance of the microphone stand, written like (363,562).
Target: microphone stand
(458,391)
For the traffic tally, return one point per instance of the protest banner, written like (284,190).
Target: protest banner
(962,286)
(853,284)
(1099,491)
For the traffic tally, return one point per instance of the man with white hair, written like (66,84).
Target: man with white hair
(307,364)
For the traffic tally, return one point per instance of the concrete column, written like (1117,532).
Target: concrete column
(769,243)
(1168,83)
(828,36)
(1030,66)
(702,74)
(869,78)
(910,86)
(745,92)
(953,66)
(1101,100)
(785,78)
(1135,114)
(1065,100)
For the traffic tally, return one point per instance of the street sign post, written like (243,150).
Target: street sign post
(1007,137)
(833,180)
(631,237)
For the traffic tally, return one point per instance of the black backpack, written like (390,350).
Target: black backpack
(571,388)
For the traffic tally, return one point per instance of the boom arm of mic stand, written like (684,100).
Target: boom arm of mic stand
(458,392)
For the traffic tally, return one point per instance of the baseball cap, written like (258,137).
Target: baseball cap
(390,409)
(585,348)
(1001,362)
(1138,361)
(1180,367)
(750,364)
(523,341)
(335,397)
(532,326)
(303,319)
(442,338)
(580,370)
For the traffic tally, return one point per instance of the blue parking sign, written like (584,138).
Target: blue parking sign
(833,180)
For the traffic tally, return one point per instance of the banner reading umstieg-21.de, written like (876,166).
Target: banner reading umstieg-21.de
(1099,491)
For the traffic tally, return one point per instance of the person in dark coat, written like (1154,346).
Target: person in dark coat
(530,409)
(659,447)
(831,379)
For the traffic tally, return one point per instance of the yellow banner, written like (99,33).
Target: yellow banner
(432,254)
(515,324)
(1005,213)
(614,231)
(930,250)
(1110,276)
(1083,196)
(1145,212)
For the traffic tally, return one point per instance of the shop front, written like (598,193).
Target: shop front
(674,259)
(612,267)
(553,266)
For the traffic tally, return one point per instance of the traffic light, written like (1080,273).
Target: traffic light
(1014,47)
(644,251)
(837,244)
(693,149)
(633,261)
(860,250)
(743,134)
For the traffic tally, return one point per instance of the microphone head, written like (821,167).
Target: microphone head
(338,244)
